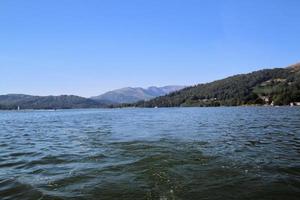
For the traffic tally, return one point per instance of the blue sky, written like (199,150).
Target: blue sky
(86,47)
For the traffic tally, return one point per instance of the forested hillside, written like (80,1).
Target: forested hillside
(279,86)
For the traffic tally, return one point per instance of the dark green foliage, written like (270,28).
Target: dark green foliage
(281,85)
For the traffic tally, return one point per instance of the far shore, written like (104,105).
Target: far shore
(132,107)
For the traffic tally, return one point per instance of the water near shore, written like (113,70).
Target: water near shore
(175,153)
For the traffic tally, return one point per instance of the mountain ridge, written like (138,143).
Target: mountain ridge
(277,86)
(135,94)
(25,101)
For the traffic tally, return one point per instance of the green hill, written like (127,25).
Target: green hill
(13,101)
(279,86)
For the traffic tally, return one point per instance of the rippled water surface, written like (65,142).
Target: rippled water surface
(175,153)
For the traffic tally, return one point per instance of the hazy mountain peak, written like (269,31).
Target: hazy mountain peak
(134,94)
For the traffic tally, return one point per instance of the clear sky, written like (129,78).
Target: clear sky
(86,47)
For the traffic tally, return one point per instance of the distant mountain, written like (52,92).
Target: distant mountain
(12,101)
(279,86)
(131,95)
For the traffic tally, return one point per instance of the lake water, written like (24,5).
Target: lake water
(166,153)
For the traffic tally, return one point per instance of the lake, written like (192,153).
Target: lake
(165,153)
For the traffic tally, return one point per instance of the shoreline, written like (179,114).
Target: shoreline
(106,108)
